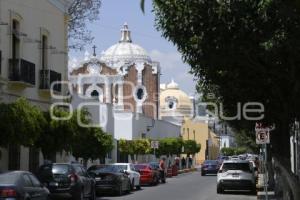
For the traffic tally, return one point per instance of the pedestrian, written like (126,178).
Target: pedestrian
(162,168)
(183,164)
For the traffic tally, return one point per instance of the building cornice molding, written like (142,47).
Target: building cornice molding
(62,5)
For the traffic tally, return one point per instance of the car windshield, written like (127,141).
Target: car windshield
(211,162)
(139,167)
(60,169)
(107,168)
(96,167)
(122,167)
(236,166)
(8,178)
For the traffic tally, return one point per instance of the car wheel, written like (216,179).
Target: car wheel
(202,174)
(120,191)
(132,185)
(80,195)
(219,189)
(154,181)
(93,194)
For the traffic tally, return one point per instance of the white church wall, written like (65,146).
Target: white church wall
(123,126)
(164,129)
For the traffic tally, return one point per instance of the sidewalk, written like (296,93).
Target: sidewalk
(261,194)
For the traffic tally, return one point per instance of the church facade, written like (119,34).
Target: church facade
(121,90)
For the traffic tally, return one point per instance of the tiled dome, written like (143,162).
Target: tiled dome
(125,51)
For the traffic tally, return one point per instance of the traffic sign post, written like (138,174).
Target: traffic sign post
(154,145)
(263,138)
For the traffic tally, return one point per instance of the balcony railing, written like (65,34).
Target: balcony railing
(47,77)
(21,70)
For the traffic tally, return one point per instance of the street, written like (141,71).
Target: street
(190,186)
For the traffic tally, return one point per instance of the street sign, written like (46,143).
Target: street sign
(262,136)
(154,144)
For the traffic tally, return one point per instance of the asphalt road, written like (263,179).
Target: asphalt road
(190,186)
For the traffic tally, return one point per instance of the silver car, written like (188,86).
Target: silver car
(236,175)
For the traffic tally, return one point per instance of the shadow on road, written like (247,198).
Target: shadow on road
(234,192)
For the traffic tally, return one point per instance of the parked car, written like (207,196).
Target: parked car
(20,185)
(132,173)
(149,175)
(109,178)
(210,167)
(155,166)
(67,180)
(236,175)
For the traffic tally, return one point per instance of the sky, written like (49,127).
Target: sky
(106,30)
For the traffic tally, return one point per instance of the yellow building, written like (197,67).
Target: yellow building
(198,130)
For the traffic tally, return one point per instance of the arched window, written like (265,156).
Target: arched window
(95,93)
(140,93)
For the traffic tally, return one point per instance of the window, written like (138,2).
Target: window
(140,93)
(78,170)
(14,157)
(44,52)
(188,132)
(27,181)
(35,181)
(15,39)
(183,130)
(194,134)
(95,94)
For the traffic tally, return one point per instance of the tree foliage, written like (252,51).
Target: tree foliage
(80,13)
(191,147)
(241,51)
(230,151)
(20,123)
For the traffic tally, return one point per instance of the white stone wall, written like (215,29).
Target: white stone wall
(35,17)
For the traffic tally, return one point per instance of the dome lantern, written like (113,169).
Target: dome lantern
(125,34)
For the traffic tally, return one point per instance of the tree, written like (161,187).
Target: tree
(80,12)
(169,146)
(191,147)
(93,144)
(127,147)
(58,135)
(241,51)
(20,123)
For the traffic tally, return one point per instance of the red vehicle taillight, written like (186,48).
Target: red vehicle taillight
(73,178)
(8,193)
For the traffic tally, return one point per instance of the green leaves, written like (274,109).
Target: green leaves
(24,124)
(20,123)
(241,51)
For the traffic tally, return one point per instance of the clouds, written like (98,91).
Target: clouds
(172,66)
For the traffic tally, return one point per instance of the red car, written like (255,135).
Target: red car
(149,176)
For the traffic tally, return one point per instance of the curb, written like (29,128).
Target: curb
(261,195)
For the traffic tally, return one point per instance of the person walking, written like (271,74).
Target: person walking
(183,163)
(162,168)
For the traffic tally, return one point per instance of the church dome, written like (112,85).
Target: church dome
(175,102)
(125,51)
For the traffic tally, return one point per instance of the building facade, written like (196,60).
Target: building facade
(199,131)
(33,55)
(120,88)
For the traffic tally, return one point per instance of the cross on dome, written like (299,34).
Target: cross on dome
(125,34)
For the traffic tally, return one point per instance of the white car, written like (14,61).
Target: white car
(133,175)
(236,175)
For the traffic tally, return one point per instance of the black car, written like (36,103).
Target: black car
(20,185)
(67,180)
(210,167)
(109,178)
